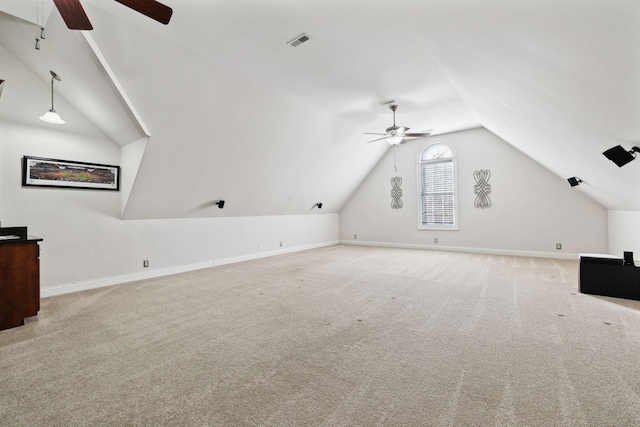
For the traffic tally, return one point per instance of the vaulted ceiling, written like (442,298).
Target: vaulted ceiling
(233,111)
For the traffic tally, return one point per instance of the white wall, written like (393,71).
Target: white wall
(86,244)
(624,232)
(531,211)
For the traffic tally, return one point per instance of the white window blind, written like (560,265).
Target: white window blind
(437,189)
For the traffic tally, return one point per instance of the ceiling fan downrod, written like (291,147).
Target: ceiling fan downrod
(393,108)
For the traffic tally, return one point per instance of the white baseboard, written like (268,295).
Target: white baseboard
(117,280)
(505,252)
(50,291)
(259,255)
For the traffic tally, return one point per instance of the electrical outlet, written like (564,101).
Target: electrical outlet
(435,240)
(145,263)
(281,244)
(259,246)
(558,246)
(355,237)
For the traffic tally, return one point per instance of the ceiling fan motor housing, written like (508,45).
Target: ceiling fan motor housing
(395,130)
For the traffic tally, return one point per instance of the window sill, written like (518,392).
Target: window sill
(439,228)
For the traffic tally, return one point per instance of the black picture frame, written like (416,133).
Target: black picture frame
(46,172)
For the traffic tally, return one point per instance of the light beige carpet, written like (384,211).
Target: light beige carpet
(338,336)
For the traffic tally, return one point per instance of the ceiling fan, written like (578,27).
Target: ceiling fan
(76,18)
(396,134)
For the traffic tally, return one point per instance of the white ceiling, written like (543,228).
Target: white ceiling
(559,80)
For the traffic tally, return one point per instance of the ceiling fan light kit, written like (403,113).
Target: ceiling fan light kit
(395,140)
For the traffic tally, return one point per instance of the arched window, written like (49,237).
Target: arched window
(437,202)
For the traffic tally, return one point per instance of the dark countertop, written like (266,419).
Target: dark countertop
(30,238)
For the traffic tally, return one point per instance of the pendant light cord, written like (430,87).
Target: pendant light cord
(52,93)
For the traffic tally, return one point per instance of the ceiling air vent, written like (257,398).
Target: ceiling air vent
(299,40)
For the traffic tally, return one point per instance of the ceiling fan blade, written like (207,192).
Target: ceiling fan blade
(374,133)
(73,14)
(417,135)
(379,139)
(150,8)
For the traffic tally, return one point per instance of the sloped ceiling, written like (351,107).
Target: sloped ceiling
(235,113)
(84,83)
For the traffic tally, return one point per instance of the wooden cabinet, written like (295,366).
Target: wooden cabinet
(19,280)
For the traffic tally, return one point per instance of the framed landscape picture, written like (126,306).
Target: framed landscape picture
(43,172)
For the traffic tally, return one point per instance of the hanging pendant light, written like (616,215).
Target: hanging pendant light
(51,116)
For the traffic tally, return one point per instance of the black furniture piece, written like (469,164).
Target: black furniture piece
(609,276)
(19,276)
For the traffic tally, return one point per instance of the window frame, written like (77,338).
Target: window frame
(419,165)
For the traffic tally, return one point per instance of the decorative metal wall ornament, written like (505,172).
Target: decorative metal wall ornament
(396,192)
(482,188)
